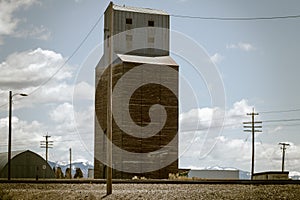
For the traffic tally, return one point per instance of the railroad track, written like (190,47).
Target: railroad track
(151,181)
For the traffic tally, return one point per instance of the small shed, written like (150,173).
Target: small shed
(271,175)
(214,174)
(25,164)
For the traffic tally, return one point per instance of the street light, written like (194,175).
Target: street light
(9,129)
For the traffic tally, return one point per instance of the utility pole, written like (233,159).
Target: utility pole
(9,135)
(283,153)
(70,163)
(253,130)
(109,106)
(10,99)
(47,144)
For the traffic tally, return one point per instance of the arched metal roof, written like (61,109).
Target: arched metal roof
(25,164)
(4,157)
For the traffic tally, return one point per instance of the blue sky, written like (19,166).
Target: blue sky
(257,61)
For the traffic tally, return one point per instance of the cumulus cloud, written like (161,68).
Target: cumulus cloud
(63,113)
(69,128)
(228,150)
(74,128)
(242,46)
(236,153)
(38,32)
(37,69)
(25,135)
(9,23)
(83,90)
(31,68)
(197,126)
(50,101)
(200,128)
(71,119)
(216,58)
(200,118)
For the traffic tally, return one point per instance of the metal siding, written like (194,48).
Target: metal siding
(160,60)
(139,10)
(214,174)
(24,165)
(139,41)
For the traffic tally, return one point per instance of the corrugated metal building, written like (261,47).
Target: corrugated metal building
(25,164)
(214,174)
(141,38)
(271,175)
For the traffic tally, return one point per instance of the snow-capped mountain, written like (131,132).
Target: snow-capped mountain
(83,165)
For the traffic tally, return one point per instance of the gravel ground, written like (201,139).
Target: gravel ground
(147,191)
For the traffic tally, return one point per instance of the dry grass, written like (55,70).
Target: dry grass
(149,191)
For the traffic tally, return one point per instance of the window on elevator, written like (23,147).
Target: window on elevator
(150,23)
(128,21)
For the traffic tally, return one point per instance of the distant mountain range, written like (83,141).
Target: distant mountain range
(84,166)
(247,175)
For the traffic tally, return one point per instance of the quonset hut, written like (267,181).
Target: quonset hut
(144,79)
(25,164)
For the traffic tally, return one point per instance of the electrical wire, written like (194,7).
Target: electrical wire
(279,111)
(66,61)
(236,18)
(3,105)
(281,120)
(69,58)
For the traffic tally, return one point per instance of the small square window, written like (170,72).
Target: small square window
(150,23)
(128,21)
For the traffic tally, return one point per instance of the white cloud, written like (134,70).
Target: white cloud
(83,90)
(203,117)
(36,69)
(74,128)
(63,113)
(200,128)
(236,153)
(8,23)
(242,46)
(216,58)
(25,135)
(41,33)
(199,139)
(32,68)
(62,129)
(226,149)
(67,119)
(273,130)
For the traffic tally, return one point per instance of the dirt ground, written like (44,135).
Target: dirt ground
(147,191)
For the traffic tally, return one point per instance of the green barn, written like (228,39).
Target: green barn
(25,164)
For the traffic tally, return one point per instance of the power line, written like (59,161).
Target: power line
(280,111)
(253,128)
(282,125)
(74,52)
(282,120)
(210,127)
(3,105)
(67,60)
(46,144)
(237,18)
(284,145)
